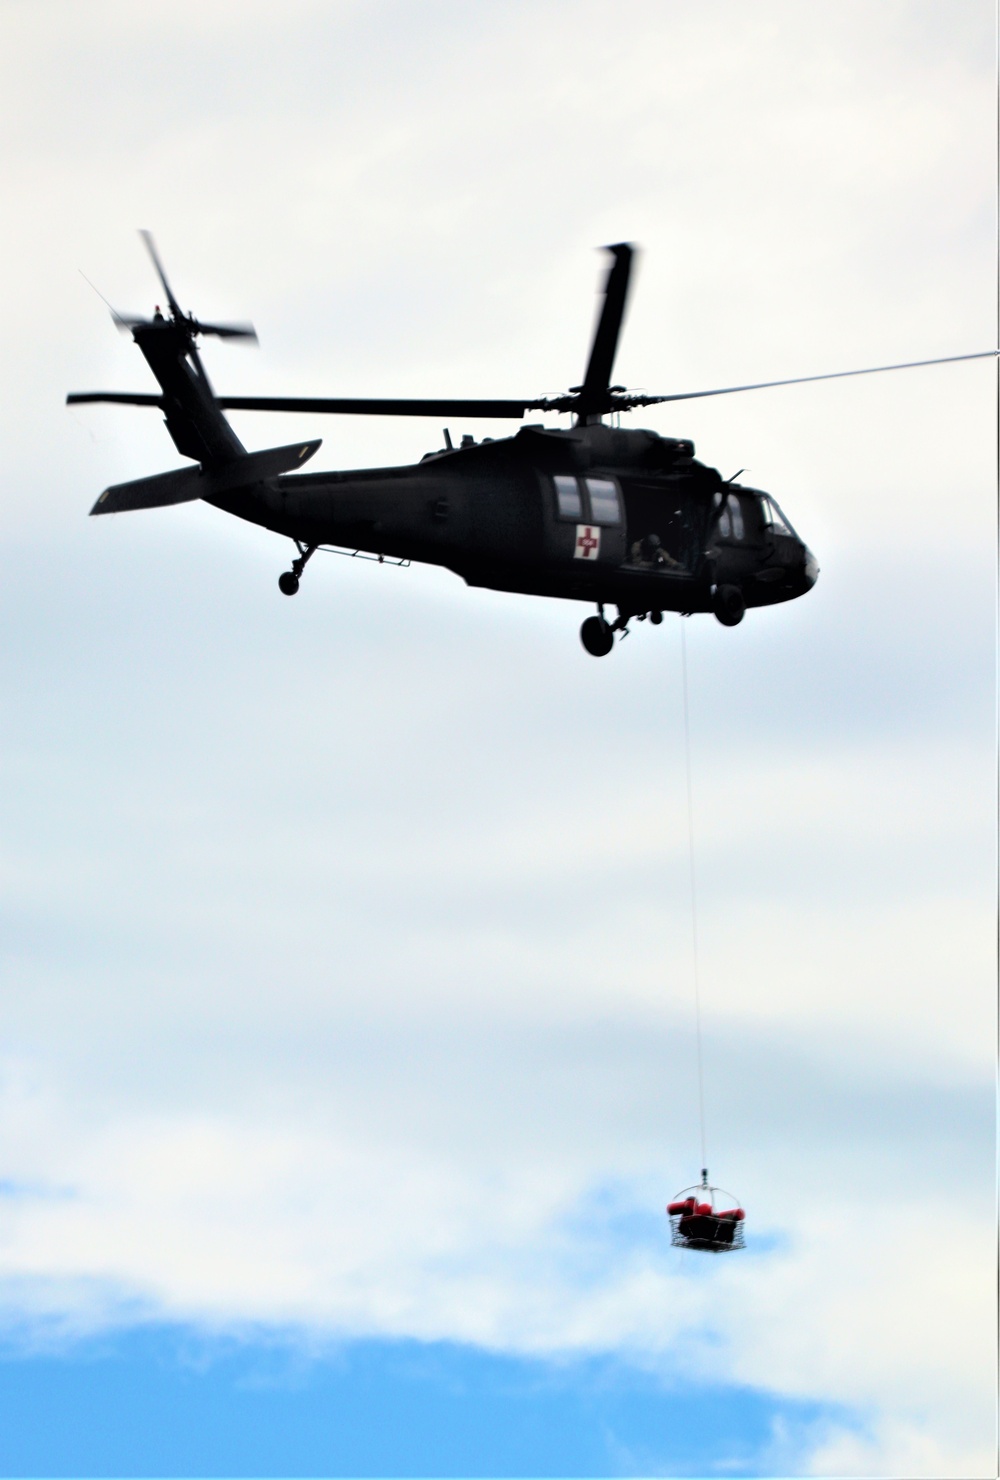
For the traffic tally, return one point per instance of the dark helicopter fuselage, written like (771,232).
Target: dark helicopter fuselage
(594,514)
(591,513)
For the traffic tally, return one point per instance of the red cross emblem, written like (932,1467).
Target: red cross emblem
(588,542)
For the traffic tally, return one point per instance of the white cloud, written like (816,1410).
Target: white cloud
(316,1207)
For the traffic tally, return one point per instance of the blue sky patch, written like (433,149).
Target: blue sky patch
(167,1401)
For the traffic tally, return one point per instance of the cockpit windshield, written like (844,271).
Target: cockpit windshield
(774,519)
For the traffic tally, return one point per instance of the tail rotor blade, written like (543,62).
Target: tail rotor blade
(228,331)
(126,322)
(594,391)
(147,237)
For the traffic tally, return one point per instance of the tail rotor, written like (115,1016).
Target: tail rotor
(187,324)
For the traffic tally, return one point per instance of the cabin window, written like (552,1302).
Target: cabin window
(725,525)
(568,498)
(604,506)
(589,500)
(736,515)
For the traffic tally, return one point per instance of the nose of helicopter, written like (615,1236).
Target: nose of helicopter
(810,569)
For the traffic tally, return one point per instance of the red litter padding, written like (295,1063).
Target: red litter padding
(703,1208)
(737,1214)
(687,1206)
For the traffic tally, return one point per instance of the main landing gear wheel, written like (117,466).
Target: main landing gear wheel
(729,605)
(597,637)
(288,581)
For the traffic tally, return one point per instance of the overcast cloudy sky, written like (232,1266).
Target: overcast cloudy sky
(346,1032)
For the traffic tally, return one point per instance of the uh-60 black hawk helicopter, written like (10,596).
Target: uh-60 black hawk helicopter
(593,513)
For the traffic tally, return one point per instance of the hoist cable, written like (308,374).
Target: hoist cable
(996,610)
(694,898)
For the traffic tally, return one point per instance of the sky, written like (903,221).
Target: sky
(347,1052)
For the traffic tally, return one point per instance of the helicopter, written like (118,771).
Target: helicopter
(594,512)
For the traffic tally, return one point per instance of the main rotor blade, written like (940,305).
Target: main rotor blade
(497,410)
(513,410)
(147,237)
(594,390)
(116,398)
(763,385)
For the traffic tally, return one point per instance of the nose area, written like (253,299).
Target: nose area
(810,570)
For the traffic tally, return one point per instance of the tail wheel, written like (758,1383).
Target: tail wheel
(597,637)
(288,583)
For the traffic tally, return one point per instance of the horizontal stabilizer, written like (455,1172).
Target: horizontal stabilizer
(257,466)
(151,493)
(184,484)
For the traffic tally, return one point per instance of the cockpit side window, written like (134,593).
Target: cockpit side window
(773,517)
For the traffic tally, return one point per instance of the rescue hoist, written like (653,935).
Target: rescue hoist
(706,1217)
